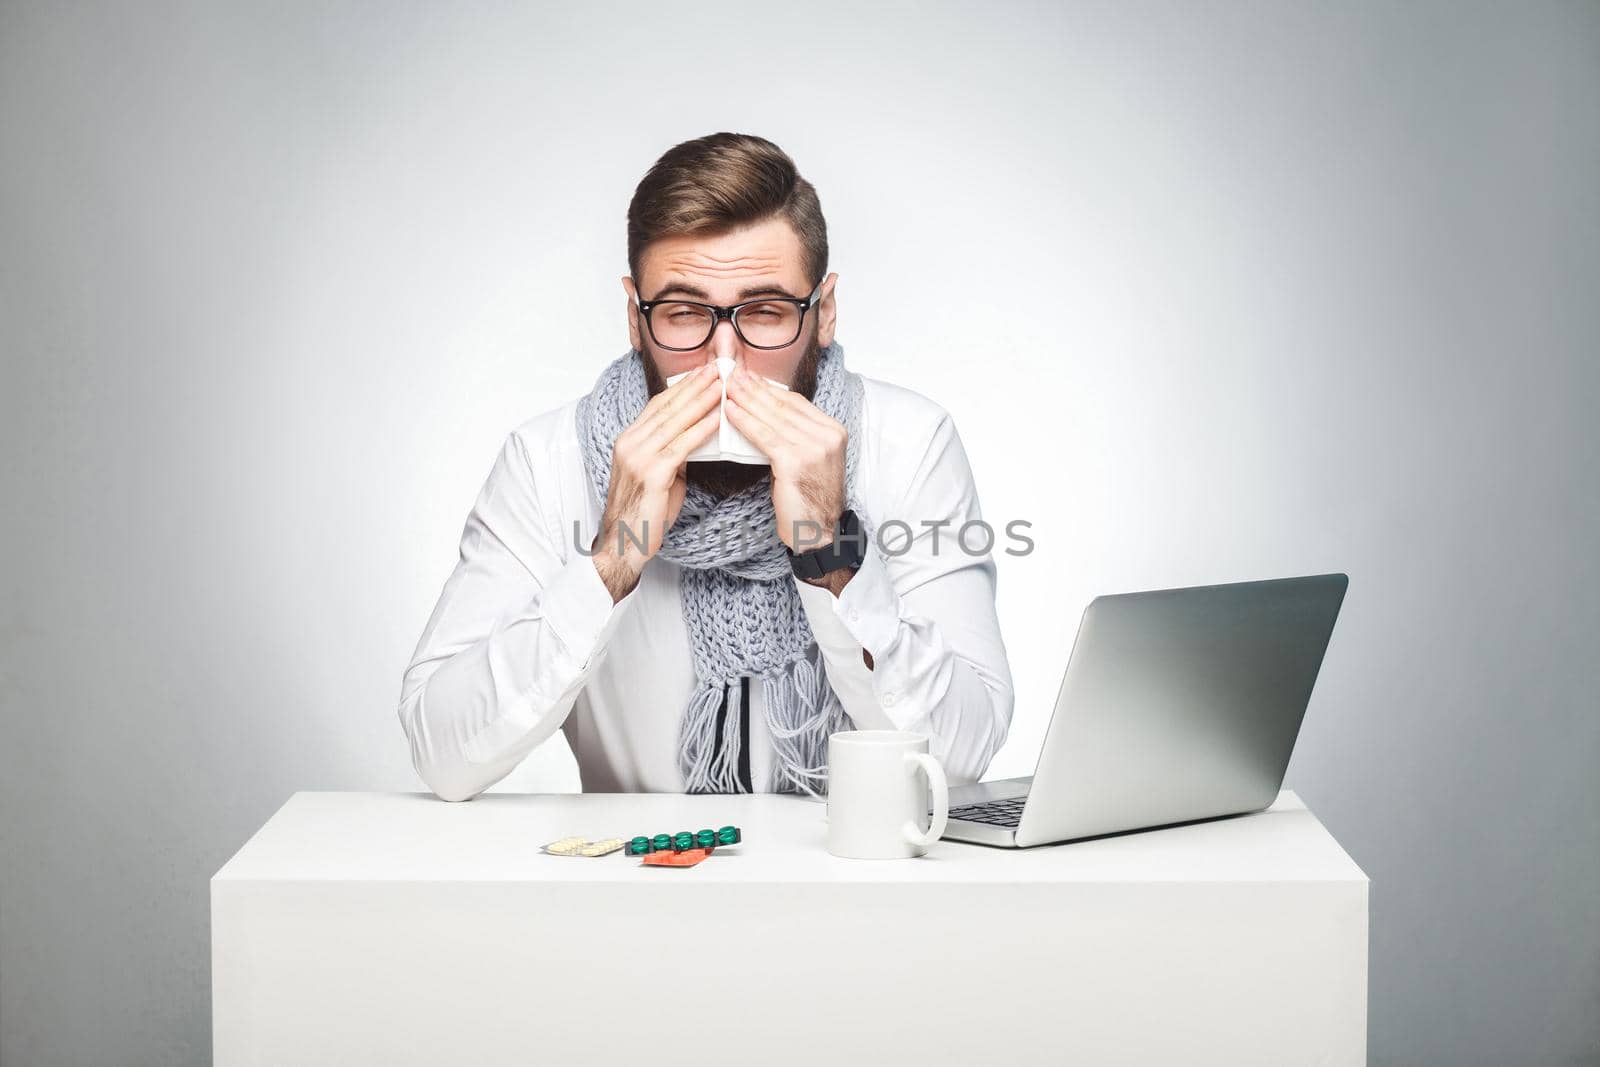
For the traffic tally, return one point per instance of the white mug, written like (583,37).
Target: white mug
(876,798)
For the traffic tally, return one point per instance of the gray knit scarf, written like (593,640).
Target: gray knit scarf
(740,604)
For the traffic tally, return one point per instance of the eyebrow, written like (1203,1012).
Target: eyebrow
(748,293)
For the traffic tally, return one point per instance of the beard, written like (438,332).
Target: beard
(722,478)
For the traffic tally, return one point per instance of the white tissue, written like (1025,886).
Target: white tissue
(727,443)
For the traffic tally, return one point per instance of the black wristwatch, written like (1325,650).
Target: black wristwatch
(847,549)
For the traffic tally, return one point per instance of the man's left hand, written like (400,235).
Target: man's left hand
(806,447)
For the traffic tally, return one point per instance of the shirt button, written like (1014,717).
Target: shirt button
(855,616)
(888,698)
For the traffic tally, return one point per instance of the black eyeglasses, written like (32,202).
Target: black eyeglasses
(766,322)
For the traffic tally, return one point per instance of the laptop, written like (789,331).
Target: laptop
(1177,705)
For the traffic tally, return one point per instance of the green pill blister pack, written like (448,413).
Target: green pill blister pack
(684,840)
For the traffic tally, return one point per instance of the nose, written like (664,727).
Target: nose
(724,342)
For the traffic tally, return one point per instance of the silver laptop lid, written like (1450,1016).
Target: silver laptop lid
(1180,704)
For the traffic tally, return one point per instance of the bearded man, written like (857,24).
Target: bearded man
(703,626)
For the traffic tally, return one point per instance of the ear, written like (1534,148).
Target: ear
(827,311)
(633,312)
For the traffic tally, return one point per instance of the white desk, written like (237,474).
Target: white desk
(397,929)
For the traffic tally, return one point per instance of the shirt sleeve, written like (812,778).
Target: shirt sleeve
(522,621)
(923,604)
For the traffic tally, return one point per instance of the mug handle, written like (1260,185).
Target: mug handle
(941,800)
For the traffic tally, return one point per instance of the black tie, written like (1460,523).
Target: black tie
(744,732)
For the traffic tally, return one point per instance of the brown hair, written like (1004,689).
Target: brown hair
(721,182)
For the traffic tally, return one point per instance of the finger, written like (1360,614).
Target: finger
(758,396)
(691,438)
(675,396)
(766,436)
(686,419)
(803,410)
(683,414)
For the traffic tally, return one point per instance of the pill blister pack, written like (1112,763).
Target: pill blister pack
(583,846)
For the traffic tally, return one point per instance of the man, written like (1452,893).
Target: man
(704,626)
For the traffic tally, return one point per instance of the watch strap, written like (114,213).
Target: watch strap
(845,550)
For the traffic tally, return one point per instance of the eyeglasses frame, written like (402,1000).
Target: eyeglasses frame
(718,313)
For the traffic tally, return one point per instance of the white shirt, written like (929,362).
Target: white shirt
(525,638)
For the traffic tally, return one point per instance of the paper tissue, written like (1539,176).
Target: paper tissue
(727,443)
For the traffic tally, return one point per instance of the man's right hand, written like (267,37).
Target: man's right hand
(649,476)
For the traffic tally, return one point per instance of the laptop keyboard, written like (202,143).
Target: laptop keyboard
(1003,813)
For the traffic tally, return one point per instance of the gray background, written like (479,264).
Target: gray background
(1214,291)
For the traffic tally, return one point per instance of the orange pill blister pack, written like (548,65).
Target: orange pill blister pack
(687,858)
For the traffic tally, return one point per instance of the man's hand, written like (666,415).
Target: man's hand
(649,477)
(806,447)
